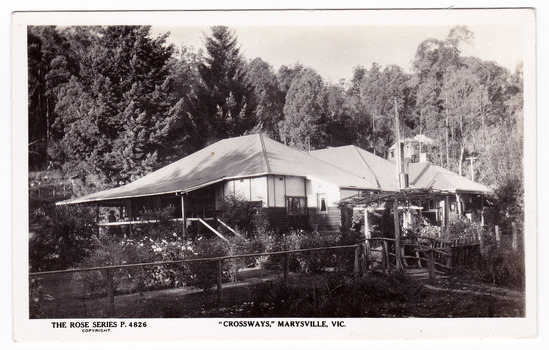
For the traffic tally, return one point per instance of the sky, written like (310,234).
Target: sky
(333,51)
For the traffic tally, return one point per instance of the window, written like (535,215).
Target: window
(322,207)
(296,205)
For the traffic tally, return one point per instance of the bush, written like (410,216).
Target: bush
(163,227)
(307,262)
(36,297)
(336,296)
(497,265)
(244,216)
(114,251)
(60,237)
(203,275)
(461,227)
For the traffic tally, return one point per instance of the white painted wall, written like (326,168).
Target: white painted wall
(315,188)
(250,189)
(273,189)
(279,191)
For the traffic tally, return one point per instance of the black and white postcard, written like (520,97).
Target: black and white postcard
(281,174)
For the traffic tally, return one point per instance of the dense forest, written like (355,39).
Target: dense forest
(110,104)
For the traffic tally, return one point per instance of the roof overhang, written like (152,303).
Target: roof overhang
(107,199)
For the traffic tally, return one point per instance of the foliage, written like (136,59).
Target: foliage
(223,102)
(60,237)
(307,262)
(37,297)
(499,265)
(119,251)
(111,115)
(242,215)
(303,125)
(162,224)
(461,227)
(50,65)
(269,98)
(337,296)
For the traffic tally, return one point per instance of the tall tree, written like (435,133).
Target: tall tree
(270,99)
(304,126)
(286,75)
(341,128)
(434,59)
(223,105)
(184,81)
(113,114)
(50,64)
(378,88)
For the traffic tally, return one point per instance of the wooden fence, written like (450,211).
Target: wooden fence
(370,254)
(109,270)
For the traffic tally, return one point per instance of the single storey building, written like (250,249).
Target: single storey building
(293,188)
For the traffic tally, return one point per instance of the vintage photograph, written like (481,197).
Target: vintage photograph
(299,170)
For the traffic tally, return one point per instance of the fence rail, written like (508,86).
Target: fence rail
(379,253)
(286,254)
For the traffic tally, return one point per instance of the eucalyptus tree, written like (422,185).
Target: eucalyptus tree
(304,124)
(50,65)
(270,99)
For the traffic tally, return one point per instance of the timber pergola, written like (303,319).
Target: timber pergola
(404,197)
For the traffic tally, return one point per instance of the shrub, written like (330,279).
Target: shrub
(204,274)
(60,237)
(336,296)
(162,225)
(461,227)
(497,265)
(36,297)
(244,216)
(114,251)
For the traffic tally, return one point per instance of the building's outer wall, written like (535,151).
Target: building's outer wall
(252,189)
(329,220)
(272,191)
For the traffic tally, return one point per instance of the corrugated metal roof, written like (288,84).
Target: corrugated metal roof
(362,163)
(373,168)
(238,157)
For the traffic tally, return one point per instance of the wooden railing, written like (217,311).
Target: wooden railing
(358,267)
(433,253)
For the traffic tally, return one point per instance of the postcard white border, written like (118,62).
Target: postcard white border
(200,329)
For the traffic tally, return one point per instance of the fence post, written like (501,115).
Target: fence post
(286,267)
(110,293)
(515,236)
(219,280)
(363,258)
(367,255)
(431,265)
(386,263)
(498,235)
(396,218)
(357,262)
